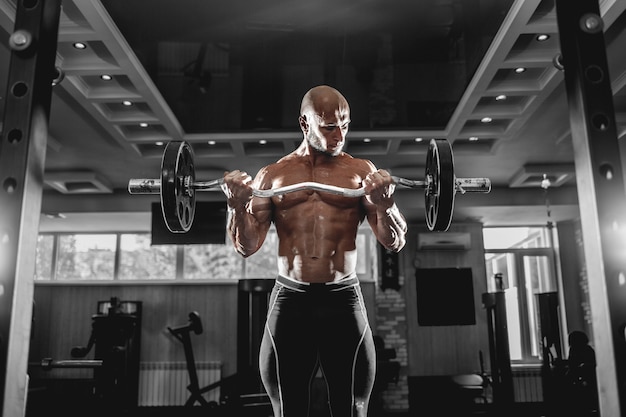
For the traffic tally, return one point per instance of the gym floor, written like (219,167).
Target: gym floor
(518,410)
(78,400)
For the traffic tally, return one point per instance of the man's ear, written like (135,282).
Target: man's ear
(304,125)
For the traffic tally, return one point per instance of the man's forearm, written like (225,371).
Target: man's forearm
(243,229)
(391,227)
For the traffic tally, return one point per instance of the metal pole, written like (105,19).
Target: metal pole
(22,160)
(602,196)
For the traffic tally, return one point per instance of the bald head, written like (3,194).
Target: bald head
(323,99)
(324,119)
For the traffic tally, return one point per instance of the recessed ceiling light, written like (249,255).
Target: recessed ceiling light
(419,139)
(486,120)
(211,142)
(501,97)
(367,140)
(543,37)
(262,142)
(106,77)
(473,138)
(519,70)
(159,143)
(143,124)
(80,45)
(127,103)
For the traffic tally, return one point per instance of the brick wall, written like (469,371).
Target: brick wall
(392,327)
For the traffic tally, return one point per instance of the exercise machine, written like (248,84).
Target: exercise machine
(183,334)
(241,394)
(115,339)
(500,355)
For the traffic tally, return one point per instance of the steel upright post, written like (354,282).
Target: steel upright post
(601,192)
(22,159)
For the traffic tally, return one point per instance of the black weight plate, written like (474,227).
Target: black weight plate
(178,198)
(439,196)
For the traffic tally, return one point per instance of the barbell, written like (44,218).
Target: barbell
(178,186)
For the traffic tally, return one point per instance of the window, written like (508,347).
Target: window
(131,257)
(362,249)
(140,260)
(263,262)
(517,237)
(520,262)
(86,256)
(213,262)
(43,262)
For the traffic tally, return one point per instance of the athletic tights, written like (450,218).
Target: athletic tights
(311,327)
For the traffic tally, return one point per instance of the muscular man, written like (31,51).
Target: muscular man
(317,317)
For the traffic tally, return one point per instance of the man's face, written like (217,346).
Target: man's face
(327,132)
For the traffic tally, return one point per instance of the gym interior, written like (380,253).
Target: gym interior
(105,311)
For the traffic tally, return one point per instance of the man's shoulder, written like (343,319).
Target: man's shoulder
(284,162)
(361,162)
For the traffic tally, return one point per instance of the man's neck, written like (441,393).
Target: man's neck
(314,155)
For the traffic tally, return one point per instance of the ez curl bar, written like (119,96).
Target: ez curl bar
(177,186)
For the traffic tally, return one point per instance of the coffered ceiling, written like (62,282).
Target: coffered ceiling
(228,78)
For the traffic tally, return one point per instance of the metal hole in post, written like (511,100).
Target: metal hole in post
(19,89)
(57,76)
(14,136)
(557,61)
(594,74)
(10,185)
(30,4)
(600,121)
(606,170)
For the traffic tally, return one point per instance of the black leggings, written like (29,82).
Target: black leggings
(311,326)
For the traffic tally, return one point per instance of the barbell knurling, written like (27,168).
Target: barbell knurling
(144,186)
